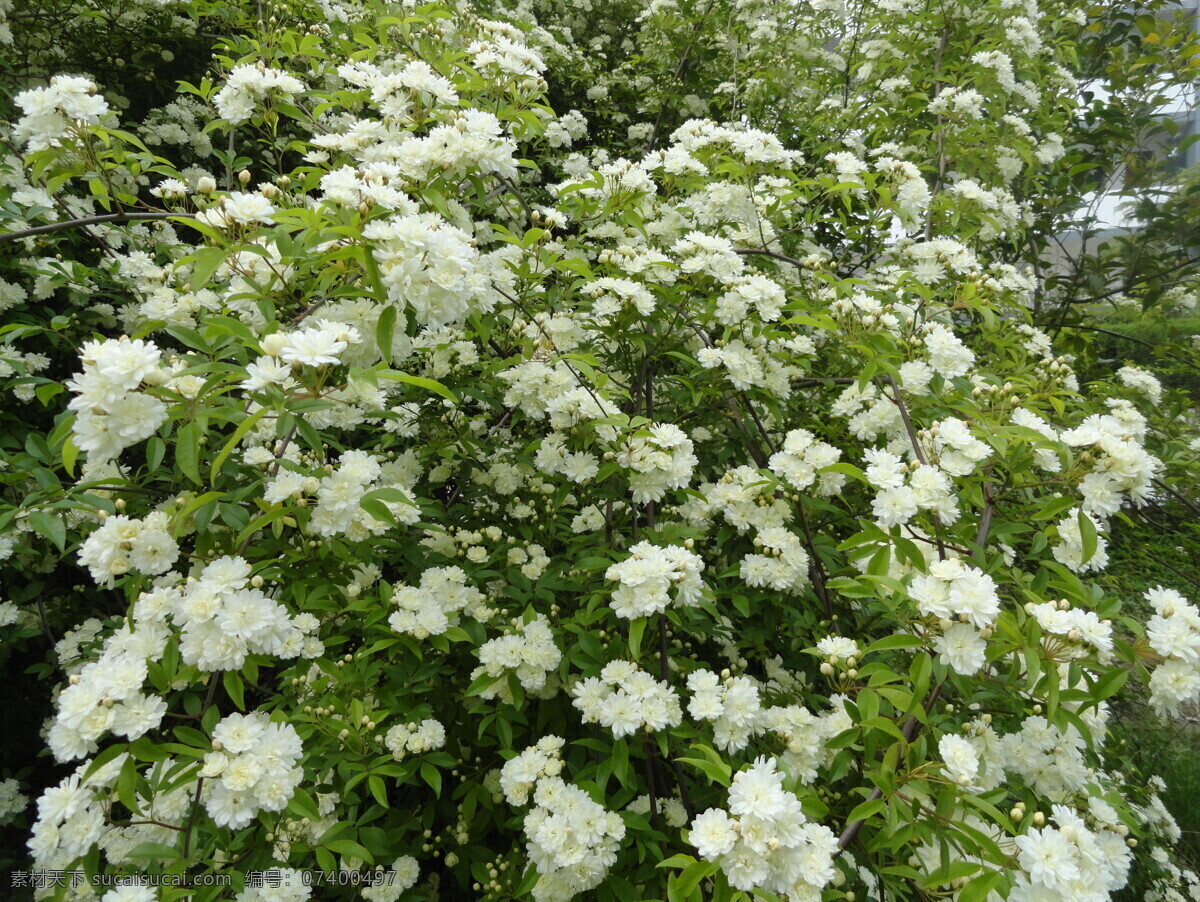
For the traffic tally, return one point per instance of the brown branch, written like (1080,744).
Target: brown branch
(1130,338)
(774,255)
(128,216)
(910,730)
(195,804)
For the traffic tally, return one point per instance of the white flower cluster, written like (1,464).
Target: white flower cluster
(1069,550)
(71,815)
(111,414)
(910,192)
(1069,861)
(757,362)
(123,543)
(51,112)
(769,843)
(652,577)
(1048,759)
(661,460)
(1081,628)
(429,265)
(238,208)
(276,885)
(340,493)
(247,85)
(573,841)
(255,760)
(954,448)
(1045,458)
(960,758)
(12,800)
(755,291)
(743,497)
(837,647)
(426,736)
(953,590)
(569,127)
(432,608)
(870,415)
(931,262)
(801,461)
(698,136)
(406,871)
(323,342)
(106,695)
(394,87)
(553,458)
(610,296)
(673,811)
(733,706)
(1173,633)
(223,618)
(542,390)
(928,488)
(962,648)
(805,735)
(626,699)
(782,563)
(1122,465)
(529,653)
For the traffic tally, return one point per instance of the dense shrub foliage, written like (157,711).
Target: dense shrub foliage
(461,452)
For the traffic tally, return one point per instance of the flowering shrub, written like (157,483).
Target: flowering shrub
(462,500)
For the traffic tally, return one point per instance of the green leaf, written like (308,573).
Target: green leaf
(1108,685)
(1087,532)
(891,642)
(232,681)
(637,629)
(421,382)
(127,785)
(716,771)
(351,848)
(681,886)
(238,434)
(109,754)
(954,870)
(52,526)
(864,810)
(70,453)
(384,330)
(187,451)
(433,777)
(378,790)
(980,887)
(152,850)
(204,263)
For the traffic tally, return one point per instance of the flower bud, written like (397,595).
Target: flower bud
(244,177)
(206,184)
(273,344)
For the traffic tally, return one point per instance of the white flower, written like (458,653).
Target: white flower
(962,648)
(318,345)
(1048,858)
(961,759)
(712,833)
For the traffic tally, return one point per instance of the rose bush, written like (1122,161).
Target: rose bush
(677,512)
